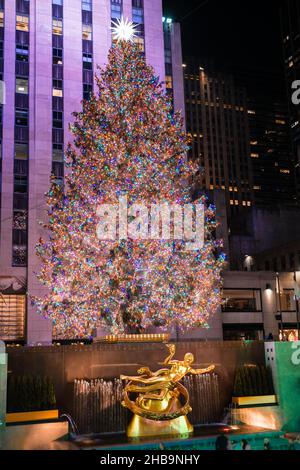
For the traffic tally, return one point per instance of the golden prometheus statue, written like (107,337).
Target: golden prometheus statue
(159,401)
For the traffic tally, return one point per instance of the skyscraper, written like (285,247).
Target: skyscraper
(290,27)
(271,151)
(50,51)
(217,118)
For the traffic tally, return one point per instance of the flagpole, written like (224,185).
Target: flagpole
(297,307)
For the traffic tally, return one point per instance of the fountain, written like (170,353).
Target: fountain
(97,403)
(97,406)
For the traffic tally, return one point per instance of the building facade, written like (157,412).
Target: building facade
(271,154)
(255,306)
(50,51)
(217,119)
(290,28)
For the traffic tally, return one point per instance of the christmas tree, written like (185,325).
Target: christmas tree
(128,145)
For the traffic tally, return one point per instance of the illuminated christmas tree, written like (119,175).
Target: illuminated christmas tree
(127,144)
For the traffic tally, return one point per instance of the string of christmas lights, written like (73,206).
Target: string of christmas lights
(127,142)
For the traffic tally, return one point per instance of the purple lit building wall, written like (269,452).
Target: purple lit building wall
(49,53)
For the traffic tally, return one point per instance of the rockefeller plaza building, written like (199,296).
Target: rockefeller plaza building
(50,52)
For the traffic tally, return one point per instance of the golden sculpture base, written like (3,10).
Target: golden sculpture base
(143,427)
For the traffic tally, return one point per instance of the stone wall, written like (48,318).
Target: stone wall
(66,363)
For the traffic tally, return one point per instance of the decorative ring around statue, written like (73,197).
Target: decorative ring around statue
(175,390)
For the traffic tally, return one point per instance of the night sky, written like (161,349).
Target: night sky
(243,33)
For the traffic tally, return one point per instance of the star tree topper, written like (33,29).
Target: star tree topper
(124,30)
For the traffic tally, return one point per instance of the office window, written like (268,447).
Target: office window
(21,167)
(241,300)
(137,3)
(87,91)
(87,5)
(22,23)
(22,53)
(58,93)
(169,82)
(168,56)
(19,255)
(140,42)
(57,27)
(137,15)
(12,317)
(57,88)
(57,119)
(57,153)
(1,19)
(87,32)
(20,184)
(116,9)
(21,151)
(20,220)
(21,117)
(57,56)
(58,170)
(87,61)
(287,300)
(22,86)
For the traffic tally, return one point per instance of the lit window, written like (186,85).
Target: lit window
(22,23)
(250,111)
(241,300)
(21,151)
(87,32)
(22,53)
(140,42)
(22,86)
(1,19)
(284,171)
(116,9)
(169,82)
(57,26)
(87,5)
(254,155)
(137,15)
(280,121)
(253,142)
(12,316)
(87,61)
(57,88)
(57,93)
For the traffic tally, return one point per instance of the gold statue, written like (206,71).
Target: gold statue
(157,406)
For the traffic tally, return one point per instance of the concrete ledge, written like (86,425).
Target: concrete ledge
(29,416)
(256,400)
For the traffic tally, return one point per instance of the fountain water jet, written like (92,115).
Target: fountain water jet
(97,403)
